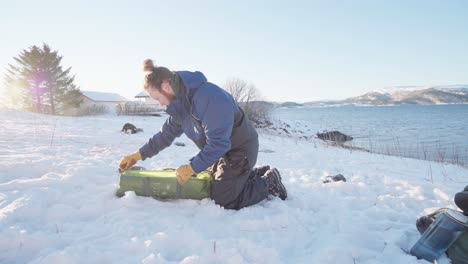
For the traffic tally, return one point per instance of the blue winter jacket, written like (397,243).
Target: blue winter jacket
(207,115)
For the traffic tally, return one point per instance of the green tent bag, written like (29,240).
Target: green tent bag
(162,184)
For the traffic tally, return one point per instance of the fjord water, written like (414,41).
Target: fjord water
(435,132)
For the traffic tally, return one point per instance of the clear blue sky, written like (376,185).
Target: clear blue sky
(291,50)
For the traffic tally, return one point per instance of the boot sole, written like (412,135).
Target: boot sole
(283,193)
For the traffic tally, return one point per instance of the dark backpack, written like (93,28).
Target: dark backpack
(458,251)
(130,129)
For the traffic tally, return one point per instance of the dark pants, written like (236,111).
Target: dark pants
(234,185)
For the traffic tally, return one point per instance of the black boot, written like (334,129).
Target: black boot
(260,171)
(275,186)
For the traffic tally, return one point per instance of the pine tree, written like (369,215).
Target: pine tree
(22,81)
(39,83)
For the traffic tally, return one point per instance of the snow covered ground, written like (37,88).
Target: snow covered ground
(58,177)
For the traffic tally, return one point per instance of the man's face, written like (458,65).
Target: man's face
(165,96)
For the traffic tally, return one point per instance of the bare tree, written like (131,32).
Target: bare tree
(248,98)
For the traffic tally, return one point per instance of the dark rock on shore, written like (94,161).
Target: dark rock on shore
(336,136)
(262,123)
(335,178)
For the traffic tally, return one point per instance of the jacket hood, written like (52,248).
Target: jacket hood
(192,80)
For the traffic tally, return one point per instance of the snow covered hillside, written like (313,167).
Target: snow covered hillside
(398,89)
(423,95)
(58,177)
(398,95)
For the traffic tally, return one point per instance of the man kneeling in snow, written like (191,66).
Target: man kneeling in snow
(227,140)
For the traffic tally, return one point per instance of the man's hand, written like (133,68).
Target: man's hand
(128,161)
(184,173)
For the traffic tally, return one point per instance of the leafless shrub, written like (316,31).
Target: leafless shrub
(93,110)
(137,108)
(430,174)
(248,97)
(440,153)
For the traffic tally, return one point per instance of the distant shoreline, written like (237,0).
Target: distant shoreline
(365,105)
(430,132)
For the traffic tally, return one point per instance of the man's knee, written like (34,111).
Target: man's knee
(224,194)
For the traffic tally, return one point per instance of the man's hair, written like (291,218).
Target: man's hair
(156,75)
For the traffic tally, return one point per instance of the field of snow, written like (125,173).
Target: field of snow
(58,177)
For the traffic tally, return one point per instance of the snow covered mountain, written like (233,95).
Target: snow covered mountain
(421,95)
(455,94)
(396,89)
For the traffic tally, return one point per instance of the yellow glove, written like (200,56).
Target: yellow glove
(184,173)
(130,160)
